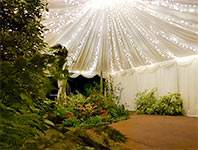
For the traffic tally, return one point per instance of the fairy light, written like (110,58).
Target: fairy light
(123,19)
(98,45)
(57,25)
(113,24)
(173,40)
(109,43)
(82,42)
(155,43)
(67,44)
(168,19)
(147,60)
(73,3)
(122,45)
(146,36)
(175,6)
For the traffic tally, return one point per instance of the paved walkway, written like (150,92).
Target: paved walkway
(147,132)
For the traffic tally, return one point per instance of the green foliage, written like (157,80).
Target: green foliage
(81,111)
(23,72)
(116,111)
(95,138)
(20,28)
(15,127)
(98,120)
(147,103)
(57,62)
(100,100)
(91,86)
(171,104)
(22,84)
(114,135)
(74,100)
(71,122)
(113,91)
(107,133)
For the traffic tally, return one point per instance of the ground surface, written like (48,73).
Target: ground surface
(147,132)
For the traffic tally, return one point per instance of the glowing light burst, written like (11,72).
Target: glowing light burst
(104,3)
(114,35)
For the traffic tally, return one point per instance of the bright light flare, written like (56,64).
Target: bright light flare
(104,3)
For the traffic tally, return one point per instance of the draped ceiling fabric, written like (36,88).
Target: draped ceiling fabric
(139,42)
(116,35)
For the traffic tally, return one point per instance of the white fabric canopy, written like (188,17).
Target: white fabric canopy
(174,76)
(116,35)
(138,41)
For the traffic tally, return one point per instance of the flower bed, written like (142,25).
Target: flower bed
(79,111)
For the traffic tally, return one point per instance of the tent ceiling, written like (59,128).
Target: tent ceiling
(115,35)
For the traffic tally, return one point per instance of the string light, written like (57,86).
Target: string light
(147,60)
(112,24)
(122,43)
(124,26)
(147,36)
(109,43)
(82,42)
(173,40)
(173,21)
(98,48)
(175,6)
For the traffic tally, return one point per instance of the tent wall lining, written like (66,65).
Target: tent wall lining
(171,76)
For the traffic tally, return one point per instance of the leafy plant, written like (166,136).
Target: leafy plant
(113,91)
(147,103)
(71,122)
(20,29)
(24,71)
(80,111)
(117,111)
(16,128)
(171,104)
(91,86)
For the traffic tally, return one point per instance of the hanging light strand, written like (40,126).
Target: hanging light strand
(99,45)
(73,57)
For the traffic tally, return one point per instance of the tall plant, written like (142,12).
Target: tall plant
(23,76)
(113,90)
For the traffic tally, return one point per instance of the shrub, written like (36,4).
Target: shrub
(79,111)
(147,103)
(116,110)
(74,100)
(71,122)
(170,105)
(16,128)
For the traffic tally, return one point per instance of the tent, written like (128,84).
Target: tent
(142,43)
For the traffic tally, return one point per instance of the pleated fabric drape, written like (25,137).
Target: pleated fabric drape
(172,76)
(116,35)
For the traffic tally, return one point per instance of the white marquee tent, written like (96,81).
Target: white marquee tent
(142,43)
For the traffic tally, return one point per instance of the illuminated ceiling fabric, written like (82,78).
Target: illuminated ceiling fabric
(116,35)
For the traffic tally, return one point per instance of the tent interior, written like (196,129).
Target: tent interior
(142,44)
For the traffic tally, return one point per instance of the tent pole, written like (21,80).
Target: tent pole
(101,83)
